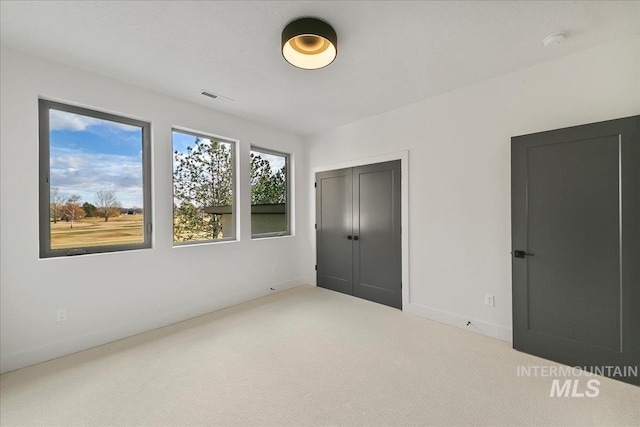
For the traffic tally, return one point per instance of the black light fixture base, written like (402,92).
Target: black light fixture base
(309,43)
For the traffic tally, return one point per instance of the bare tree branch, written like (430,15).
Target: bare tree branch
(56,203)
(108,203)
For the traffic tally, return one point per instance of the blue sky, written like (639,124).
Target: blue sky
(181,141)
(88,155)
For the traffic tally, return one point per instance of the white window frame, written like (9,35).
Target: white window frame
(234,185)
(288,205)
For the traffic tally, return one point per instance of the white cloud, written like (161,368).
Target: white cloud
(62,120)
(76,172)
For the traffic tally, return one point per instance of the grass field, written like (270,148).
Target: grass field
(97,232)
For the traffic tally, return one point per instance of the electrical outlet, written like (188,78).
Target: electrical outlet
(61,315)
(489,300)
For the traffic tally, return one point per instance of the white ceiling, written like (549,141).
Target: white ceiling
(390,53)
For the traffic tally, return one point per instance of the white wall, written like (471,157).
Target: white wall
(459,202)
(110,296)
(459,171)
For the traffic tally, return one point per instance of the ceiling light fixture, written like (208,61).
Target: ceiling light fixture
(309,43)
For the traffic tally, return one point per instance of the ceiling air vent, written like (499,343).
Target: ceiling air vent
(215,95)
(210,95)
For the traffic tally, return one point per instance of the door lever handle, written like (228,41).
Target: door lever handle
(521,254)
(349,237)
(356,237)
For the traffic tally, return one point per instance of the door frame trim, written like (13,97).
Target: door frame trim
(403,156)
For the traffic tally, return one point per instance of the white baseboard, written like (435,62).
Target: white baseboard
(50,351)
(478,326)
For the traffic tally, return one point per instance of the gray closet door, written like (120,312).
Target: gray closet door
(334,228)
(358,232)
(376,223)
(576,235)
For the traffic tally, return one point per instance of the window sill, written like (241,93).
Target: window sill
(270,236)
(203,243)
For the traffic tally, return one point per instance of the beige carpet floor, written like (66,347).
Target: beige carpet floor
(303,357)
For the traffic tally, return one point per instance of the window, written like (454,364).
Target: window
(94,181)
(203,188)
(269,193)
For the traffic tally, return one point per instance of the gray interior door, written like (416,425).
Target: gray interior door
(376,223)
(334,230)
(358,232)
(576,236)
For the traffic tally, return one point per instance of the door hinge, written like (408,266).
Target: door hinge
(315,226)
(315,185)
(316,267)
(149,228)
